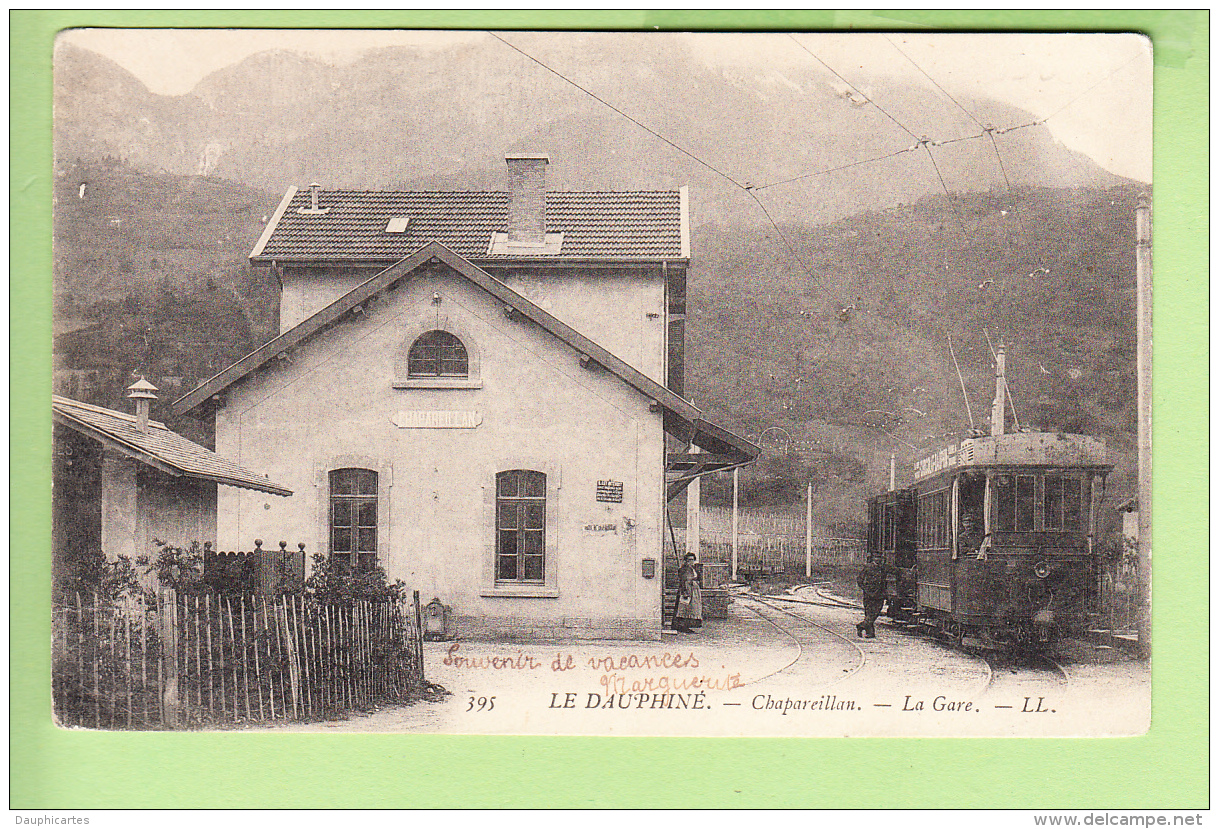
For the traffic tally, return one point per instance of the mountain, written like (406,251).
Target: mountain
(423,118)
(845,353)
(843,350)
(830,326)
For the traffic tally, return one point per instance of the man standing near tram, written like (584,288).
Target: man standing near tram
(871,581)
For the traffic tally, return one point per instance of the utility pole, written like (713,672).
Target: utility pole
(808,532)
(1143,273)
(694,497)
(736,473)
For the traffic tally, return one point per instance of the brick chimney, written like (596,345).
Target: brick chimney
(527,198)
(143,393)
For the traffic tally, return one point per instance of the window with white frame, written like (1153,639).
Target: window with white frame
(520,527)
(353,517)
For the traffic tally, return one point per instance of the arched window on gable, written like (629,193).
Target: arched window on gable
(438,354)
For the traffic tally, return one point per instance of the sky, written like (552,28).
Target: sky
(1093,89)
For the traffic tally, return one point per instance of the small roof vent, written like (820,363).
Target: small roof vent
(398,224)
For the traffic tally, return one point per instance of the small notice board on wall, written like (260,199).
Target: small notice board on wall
(609,491)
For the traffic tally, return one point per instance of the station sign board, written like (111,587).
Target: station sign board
(937,461)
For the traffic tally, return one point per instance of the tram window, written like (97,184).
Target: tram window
(941,522)
(1005,503)
(1025,502)
(971,491)
(1061,503)
(1070,504)
(933,520)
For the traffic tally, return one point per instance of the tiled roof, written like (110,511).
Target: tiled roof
(680,413)
(158,447)
(640,225)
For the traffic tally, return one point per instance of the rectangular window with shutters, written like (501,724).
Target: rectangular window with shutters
(353,517)
(520,527)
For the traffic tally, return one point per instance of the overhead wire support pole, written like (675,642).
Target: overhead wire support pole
(736,482)
(808,532)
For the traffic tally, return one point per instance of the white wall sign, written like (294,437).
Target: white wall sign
(437,420)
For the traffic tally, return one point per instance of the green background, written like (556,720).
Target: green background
(1167,768)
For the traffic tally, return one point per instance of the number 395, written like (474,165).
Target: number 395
(483,703)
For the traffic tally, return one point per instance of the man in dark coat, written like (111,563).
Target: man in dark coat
(871,581)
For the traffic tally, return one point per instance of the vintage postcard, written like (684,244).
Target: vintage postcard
(572,383)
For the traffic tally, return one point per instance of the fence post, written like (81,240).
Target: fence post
(417,636)
(167,617)
(294,668)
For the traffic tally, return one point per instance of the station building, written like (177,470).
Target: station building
(479,392)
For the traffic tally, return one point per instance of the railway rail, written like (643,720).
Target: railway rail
(998,666)
(774,604)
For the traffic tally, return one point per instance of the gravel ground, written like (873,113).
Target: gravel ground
(764,672)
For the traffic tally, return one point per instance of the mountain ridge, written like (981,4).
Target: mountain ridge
(387,119)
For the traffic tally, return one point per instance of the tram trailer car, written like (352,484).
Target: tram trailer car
(994,539)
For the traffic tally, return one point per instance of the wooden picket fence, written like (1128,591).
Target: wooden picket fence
(773,555)
(190,661)
(255,571)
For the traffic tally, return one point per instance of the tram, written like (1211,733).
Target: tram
(994,538)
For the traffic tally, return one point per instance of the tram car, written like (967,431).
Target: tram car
(993,540)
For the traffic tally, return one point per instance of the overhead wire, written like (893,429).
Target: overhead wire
(987,131)
(874,159)
(1003,169)
(934,81)
(964,394)
(606,103)
(854,88)
(947,195)
(924,142)
(1093,86)
(746,188)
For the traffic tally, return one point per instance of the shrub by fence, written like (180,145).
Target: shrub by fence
(183,661)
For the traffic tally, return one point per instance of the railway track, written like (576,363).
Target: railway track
(775,604)
(1000,669)
(1018,670)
